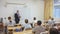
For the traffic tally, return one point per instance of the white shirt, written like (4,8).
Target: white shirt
(26,25)
(10,23)
(51,22)
(5,22)
(35,21)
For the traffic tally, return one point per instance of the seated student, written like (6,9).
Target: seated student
(34,21)
(26,25)
(1,27)
(10,22)
(53,31)
(38,29)
(51,22)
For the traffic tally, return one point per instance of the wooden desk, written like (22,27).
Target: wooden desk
(13,27)
(24,32)
(18,24)
(10,27)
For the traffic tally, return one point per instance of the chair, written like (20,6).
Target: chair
(1,28)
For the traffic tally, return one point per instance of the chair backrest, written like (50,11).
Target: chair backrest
(1,25)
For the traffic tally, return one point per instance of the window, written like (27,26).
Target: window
(56,12)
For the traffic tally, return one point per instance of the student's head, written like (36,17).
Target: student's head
(26,20)
(52,18)
(39,23)
(53,31)
(9,18)
(34,18)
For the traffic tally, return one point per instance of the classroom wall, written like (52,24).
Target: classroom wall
(30,9)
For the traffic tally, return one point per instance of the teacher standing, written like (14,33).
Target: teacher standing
(17,17)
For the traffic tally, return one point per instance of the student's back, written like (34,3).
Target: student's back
(26,26)
(38,29)
(10,22)
(51,22)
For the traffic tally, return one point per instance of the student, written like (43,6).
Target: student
(51,22)
(34,21)
(5,25)
(1,28)
(10,22)
(38,29)
(1,20)
(26,25)
(53,31)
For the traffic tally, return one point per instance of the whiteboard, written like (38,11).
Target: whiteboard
(23,10)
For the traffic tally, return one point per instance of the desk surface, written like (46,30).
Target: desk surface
(24,32)
(13,27)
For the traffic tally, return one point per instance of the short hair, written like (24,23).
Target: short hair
(39,22)
(26,20)
(53,31)
(9,17)
(34,18)
(52,18)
